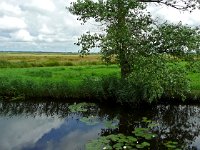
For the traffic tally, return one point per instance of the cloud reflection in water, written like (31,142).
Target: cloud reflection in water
(45,133)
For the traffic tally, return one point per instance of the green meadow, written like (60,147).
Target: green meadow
(53,82)
(83,79)
(73,74)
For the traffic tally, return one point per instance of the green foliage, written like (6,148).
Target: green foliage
(94,83)
(141,139)
(127,29)
(144,133)
(77,108)
(193,66)
(137,43)
(91,88)
(111,85)
(80,107)
(101,88)
(111,124)
(30,89)
(92,119)
(153,78)
(83,107)
(118,141)
(40,73)
(170,145)
(174,39)
(53,82)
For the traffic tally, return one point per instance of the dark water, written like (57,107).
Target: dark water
(53,125)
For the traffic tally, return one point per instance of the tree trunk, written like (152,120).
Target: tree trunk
(121,44)
(125,69)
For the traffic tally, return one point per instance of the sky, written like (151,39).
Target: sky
(46,25)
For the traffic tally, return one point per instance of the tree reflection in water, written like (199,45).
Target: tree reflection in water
(179,123)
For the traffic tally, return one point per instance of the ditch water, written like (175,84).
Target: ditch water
(48,125)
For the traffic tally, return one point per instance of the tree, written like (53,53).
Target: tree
(128,29)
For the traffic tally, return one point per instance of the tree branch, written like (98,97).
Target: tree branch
(177,4)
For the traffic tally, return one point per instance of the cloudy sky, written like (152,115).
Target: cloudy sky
(45,25)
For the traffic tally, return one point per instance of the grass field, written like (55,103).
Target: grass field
(24,60)
(35,73)
(72,74)
(53,82)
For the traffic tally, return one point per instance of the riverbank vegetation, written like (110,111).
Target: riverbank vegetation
(91,83)
(154,59)
(139,44)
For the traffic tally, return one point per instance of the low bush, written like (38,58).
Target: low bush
(153,78)
(100,88)
(193,66)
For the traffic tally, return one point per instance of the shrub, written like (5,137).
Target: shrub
(91,88)
(193,66)
(153,77)
(111,85)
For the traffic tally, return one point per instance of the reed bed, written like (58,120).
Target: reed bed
(24,60)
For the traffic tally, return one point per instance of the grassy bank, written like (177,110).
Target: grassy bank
(56,75)
(53,82)
(68,82)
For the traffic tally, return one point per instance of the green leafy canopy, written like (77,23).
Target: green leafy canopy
(127,28)
(128,32)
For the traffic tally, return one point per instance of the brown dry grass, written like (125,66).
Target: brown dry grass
(47,59)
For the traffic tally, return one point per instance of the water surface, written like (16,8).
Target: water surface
(48,125)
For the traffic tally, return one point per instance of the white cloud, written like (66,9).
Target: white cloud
(44,38)
(48,21)
(10,9)
(24,130)
(45,5)
(77,139)
(2,38)
(173,15)
(46,29)
(22,35)
(11,23)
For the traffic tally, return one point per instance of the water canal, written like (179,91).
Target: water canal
(48,125)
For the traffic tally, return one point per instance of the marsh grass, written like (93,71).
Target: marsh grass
(24,60)
(4,63)
(40,73)
(89,89)
(54,82)
(105,87)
